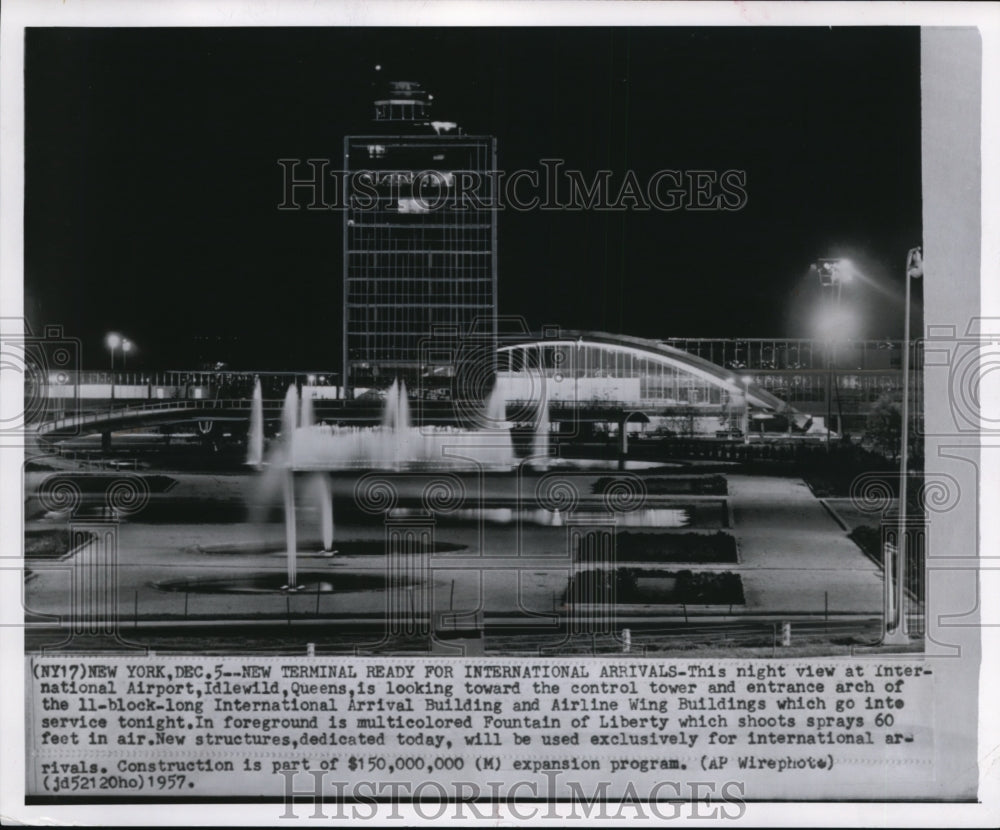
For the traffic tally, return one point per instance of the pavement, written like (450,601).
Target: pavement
(794,555)
(794,558)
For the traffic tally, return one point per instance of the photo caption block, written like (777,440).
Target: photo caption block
(174,728)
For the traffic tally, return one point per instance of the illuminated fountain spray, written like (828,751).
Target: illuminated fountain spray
(320,448)
(540,445)
(397,445)
(289,418)
(396,424)
(497,423)
(396,413)
(325,497)
(255,443)
(496,406)
(319,485)
(306,416)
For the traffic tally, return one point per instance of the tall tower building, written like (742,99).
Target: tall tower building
(420,242)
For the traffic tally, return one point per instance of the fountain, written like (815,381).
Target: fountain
(289,417)
(540,446)
(326,512)
(496,408)
(394,445)
(255,444)
(397,445)
(320,484)
(306,416)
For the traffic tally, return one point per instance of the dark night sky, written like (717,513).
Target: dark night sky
(152,179)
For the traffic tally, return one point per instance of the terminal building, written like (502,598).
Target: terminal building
(708,387)
(836,381)
(697,387)
(419,259)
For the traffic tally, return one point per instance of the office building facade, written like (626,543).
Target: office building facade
(420,244)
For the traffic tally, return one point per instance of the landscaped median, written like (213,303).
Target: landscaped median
(647,586)
(693,548)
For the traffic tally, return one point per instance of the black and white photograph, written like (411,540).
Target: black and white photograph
(555,417)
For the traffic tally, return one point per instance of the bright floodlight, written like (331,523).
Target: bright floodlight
(113,340)
(126,345)
(835,271)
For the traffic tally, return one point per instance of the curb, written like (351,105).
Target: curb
(835,516)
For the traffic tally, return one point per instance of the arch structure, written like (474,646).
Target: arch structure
(594,370)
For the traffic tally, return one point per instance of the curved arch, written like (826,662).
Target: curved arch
(668,356)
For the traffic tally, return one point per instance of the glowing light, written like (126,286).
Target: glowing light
(835,324)
(836,271)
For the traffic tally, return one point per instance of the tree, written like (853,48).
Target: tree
(681,420)
(884,427)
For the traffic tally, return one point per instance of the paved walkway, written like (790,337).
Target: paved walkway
(792,555)
(793,552)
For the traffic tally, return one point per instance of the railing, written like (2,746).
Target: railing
(116,413)
(602,403)
(243,404)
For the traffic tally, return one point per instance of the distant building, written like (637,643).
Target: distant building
(703,379)
(837,380)
(594,371)
(420,242)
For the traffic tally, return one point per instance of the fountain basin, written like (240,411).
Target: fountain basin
(323,447)
(276,582)
(662,517)
(311,548)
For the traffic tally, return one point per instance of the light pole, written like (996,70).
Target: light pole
(833,273)
(746,409)
(898,634)
(126,348)
(113,341)
(576,375)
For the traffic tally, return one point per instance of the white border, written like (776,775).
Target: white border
(16,14)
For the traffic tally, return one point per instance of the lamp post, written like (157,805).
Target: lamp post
(746,409)
(113,341)
(898,634)
(126,348)
(833,273)
(576,375)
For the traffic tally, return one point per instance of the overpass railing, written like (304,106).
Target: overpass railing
(117,413)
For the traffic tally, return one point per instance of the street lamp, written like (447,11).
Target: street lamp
(126,348)
(898,635)
(833,274)
(576,375)
(746,409)
(113,341)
